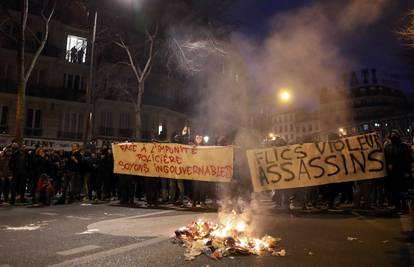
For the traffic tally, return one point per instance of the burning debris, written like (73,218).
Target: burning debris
(218,240)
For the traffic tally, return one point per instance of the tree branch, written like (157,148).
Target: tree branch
(136,69)
(46,21)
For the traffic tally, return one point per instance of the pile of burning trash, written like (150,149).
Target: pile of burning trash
(218,240)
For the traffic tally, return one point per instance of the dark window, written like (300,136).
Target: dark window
(4,114)
(73,81)
(3,120)
(33,122)
(70,81)
(33,118)
(77,82)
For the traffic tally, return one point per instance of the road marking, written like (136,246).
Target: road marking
(99,255)
(150,214)
(49,213)
(89,231)
(77,250)
(111,252)
(78,217)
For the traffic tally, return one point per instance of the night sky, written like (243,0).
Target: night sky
(375,45)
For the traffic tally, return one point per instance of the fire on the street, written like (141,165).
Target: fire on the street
(226,238)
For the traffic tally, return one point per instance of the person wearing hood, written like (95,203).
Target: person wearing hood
(398,162)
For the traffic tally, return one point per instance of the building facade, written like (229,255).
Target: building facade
(56,92)
(372,101)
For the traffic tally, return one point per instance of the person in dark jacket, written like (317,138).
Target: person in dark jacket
(39,165)
(5,174)
(105,172)
(398,160)
(18,165)
(72,178)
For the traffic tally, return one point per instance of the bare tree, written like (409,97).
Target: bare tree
(141,68)
(407,33)
(23,73)
(190,53)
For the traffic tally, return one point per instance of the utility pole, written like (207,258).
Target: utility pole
(88,133)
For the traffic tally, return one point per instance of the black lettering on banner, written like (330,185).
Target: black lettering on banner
(282,155)
(276,154)
(298,150)
(328,162)
(345,164)
(320,149)
(369,140)
(341,145)
(292,174)
(377,141)
(371,157)
(362,165)
(310,162)
(258,156)
(303,169)
(274,170)
(268,160)
(262,176)
(348,145)
(361,142)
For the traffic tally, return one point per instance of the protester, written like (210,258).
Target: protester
(44,189)
(39,164)
(72,177)
(175,183)
(398,159)
(105,182)
(5,175)
(18,165)
(199,187)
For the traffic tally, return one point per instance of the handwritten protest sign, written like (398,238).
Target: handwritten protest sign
(301,165)
(174,161)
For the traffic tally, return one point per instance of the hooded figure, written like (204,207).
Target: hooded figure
(398,160)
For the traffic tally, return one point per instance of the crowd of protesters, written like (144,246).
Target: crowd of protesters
(45,176)
(41,176)
(394,191)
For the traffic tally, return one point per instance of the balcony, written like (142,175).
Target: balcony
(106,131)
(32,132)
(125,133)
(69,135)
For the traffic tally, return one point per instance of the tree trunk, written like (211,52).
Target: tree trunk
(20,110)
(21,81)
(138,109)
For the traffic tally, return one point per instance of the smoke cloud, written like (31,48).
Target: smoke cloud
(303,51)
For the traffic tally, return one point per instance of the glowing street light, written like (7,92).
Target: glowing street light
(285,95)
(159,129)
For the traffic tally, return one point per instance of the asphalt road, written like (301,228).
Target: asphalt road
(104,235)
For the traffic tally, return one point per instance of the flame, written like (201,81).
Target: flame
(228,236)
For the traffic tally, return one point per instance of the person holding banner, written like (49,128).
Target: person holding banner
(175,183)
(199,187)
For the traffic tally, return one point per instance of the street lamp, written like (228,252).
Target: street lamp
(285,95)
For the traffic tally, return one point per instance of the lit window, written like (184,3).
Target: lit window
(76,49)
